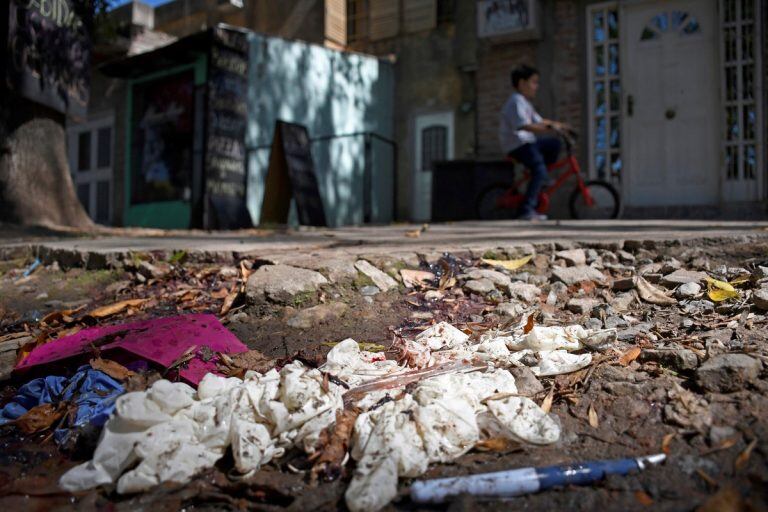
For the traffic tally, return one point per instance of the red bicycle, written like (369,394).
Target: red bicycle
(594,199)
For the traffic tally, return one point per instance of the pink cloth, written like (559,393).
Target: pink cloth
(160,340)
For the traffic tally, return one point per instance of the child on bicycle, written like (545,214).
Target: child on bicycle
(529,138)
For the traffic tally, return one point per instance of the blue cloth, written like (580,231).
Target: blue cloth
(536,157)
(93,392)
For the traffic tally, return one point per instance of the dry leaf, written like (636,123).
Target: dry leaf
(117,307)
(245,272)
(593,421)
(40,417)
(508,264)
(111,368)
(447,281)
(220,293)
(546,405)
(643,498)
(495,444)
(630,355)
(529,324)
(743,457)
(666,442)
(727,499)
(711,481)
(230,300)
(719,291)
(651,294)
(415,278)
(332,446)
(416,233)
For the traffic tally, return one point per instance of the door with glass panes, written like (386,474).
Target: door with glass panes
(90,161)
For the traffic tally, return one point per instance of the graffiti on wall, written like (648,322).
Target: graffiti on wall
(48,53)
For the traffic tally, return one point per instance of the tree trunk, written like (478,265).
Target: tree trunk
(35,185)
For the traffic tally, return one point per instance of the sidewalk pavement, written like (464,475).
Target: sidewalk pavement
(469,236)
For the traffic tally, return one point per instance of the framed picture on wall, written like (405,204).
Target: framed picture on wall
(508,20)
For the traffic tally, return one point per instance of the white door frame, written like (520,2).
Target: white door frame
(591,170)
(421,196)
(94,174)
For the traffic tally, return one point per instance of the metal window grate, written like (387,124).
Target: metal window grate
(434,146)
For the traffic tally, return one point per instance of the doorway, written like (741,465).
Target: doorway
(671,105)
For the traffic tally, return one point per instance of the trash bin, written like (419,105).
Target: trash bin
(456,185)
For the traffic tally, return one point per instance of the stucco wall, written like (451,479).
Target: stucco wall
(331,93)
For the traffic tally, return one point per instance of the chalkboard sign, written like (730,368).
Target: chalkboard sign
(48,53)
(225,155)
(292,174)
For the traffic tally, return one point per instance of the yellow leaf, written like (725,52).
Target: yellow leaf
(721,295)
(740,280)
(722,285)
(508,264)
(719,291)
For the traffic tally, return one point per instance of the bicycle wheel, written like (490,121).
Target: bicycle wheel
(607,203)
(487,207)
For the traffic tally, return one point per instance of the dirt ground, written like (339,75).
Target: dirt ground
(619,406)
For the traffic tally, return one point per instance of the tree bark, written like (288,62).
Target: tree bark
(36,188)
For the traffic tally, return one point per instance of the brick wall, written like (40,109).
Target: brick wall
(557,54)
(568,67)
(493,88)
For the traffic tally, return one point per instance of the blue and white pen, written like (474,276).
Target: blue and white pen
(516,482)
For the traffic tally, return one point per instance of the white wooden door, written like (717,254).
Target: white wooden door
(434,143)
(671,107)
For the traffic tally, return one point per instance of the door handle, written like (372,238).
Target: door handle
(630,105)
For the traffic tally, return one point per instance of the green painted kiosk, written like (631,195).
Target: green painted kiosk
(185,133)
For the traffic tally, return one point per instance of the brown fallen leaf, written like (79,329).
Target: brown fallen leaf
(187,355)
(643,498)
(666,442)
(220,293)
(743,457)
(415,278)
(416,233)
(630,355)
(246,269)
(593,420)
(495,444)
(117,307)
(235,365)
(333,445)
(64,316)
(41,417)
(229,300)
(727,499)
(111,368)
(546,405)
(651,294)
(711,481)
(529,323)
